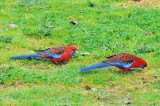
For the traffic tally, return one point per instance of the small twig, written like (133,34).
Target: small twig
(85,30)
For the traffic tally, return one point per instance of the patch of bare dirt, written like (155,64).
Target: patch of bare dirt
(147,3)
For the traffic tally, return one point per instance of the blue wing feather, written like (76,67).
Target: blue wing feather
(56,56)
(123,65)
(119,63)
(95,66)
(26,56)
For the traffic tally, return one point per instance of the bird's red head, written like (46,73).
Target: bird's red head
(143,64)
(71,48)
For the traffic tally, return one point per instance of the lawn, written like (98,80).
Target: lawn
(105,27)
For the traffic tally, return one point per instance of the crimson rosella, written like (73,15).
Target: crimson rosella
(56,54)
(123,61)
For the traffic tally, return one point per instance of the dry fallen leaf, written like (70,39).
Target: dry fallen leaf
(73,22)
(147,33)
(83,54)
(13,25)
(87,87)
(93,89)
(124,5)
(127,100)
(49,26)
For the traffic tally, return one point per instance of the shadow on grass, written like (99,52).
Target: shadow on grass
(40,60)
(117,72)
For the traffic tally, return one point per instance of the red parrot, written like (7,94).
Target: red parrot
(123,61)
(56,54)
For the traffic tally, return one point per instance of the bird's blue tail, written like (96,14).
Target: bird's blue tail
(95,66)
(26,56)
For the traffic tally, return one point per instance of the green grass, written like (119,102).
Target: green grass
(104,28)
